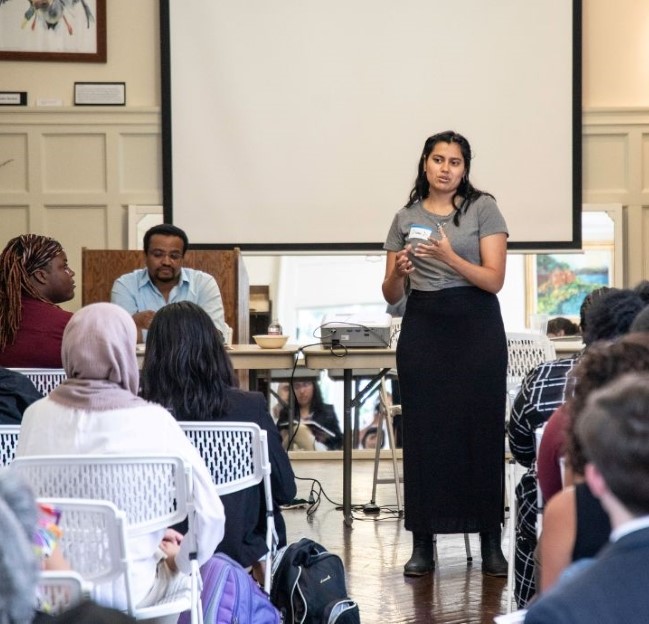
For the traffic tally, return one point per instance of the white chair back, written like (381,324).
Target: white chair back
(154,492)
(524,352)
(8,443)
(45,379)
(62,590)
(236,455)
(93,541)
(151,489)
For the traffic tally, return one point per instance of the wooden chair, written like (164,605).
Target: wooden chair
(101,267)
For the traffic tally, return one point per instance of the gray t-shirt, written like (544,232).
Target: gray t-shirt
(414,224)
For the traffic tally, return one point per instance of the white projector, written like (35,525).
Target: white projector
(356,330)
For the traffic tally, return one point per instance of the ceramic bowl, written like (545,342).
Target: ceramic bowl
(267,341)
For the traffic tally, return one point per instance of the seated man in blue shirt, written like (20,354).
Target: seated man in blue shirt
(164,280)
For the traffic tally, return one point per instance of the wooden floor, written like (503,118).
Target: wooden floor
(375,548)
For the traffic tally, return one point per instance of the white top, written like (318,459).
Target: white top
(49,428)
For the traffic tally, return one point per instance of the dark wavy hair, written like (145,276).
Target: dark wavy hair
(600,364)
(317,402)
(186,368)
(611,314)
(465,191)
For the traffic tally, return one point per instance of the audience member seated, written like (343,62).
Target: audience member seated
(164,280)
(34,277)
(316,426)
(187,369)
(17,393)
(562,326)
(542,391)
(20,563)
(97,410)
(610,318)
(574,524)
(614,431)
(605,313)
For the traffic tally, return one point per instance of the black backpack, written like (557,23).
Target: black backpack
(308,586)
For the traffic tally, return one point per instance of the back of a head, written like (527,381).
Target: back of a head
(19,567)
(99,344)
(615,433)
(643,290)
(562,326)
(611,315)
(601,364)
(186,367)
(641,322)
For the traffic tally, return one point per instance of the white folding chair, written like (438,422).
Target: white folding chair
(8,442)
(236,455)
(45,379)
(94,543)
(61,590)
(525,350)
(387,413)
(154,491)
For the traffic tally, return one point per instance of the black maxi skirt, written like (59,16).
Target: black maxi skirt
(452,365)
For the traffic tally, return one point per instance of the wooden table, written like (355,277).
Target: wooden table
(347,360)
(252,357)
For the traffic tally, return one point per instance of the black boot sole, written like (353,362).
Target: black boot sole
(418,572)
(495,573)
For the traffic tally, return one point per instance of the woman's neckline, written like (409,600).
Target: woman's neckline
(437,214)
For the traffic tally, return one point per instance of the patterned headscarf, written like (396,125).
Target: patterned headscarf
(21,258)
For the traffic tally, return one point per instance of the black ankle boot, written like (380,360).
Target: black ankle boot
(493,560)
(422,560)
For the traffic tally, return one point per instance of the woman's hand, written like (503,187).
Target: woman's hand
(402,264)
(397,267)
(439,249)
(170,545)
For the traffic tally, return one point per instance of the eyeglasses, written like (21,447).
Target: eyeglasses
(158,254)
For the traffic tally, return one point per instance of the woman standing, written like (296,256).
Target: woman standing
(450,241)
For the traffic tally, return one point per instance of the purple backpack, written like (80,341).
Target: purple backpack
(230,594)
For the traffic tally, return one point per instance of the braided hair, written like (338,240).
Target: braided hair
(20,259)
(465,191)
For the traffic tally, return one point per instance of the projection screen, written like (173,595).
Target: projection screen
(297,124)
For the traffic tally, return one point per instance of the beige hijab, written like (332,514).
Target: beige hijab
(98,353)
